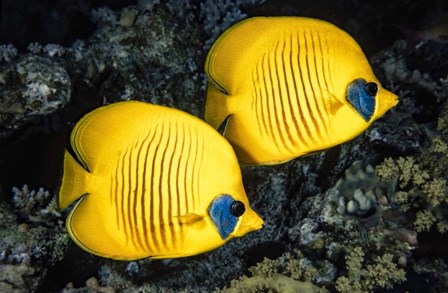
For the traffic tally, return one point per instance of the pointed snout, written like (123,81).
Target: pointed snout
(386,101)
(250,222)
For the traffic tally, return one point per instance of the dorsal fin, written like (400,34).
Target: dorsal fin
(102,131)
(224,66)
(190,218)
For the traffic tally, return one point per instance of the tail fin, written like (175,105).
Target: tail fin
(216,108)
(74,181)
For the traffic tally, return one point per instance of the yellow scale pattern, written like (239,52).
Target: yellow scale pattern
(284,88)
(302,117)
(149,195)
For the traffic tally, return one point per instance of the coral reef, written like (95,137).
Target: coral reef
(280,275)
(31,86)
(218,15)
(372,215)
(29,203)
(137,53)
(274,283)
(421,181)
(383,273)
(32,238)
(360,192)
(7,52)
(144,56)
(92,285)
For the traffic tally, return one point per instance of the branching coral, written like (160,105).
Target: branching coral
(421,182)
(266,276)
(274,283)
(7,52)
(37,206)
(92,285)
(382,273)
(27,247)
(31,241)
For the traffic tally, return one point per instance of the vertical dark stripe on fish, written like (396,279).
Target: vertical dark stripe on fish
(186,160)
(131,203)
(266,96)
(301,104)
(179,149)
(199,159)
(124,196)
(330,75)
(318,90)
(153,192)
(117,205)
(287,88)
(313,97)
(325,89)
(131,199)
(193,164)
(162,181)
(263,96)
(171,189)
(281,127)
(273,124)
(138,192)
(295,94)
(145,219)
(257,96)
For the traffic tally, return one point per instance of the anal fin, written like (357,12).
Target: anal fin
(223,127)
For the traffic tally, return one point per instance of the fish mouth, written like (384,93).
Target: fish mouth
(250,222)
(395,100)
(386,101)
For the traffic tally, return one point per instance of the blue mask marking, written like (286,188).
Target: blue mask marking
(221,215)
(360,99)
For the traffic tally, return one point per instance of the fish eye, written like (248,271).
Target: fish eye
(237,208)
(371,88)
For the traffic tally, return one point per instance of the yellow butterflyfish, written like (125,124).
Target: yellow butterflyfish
(283,87)
(151,181)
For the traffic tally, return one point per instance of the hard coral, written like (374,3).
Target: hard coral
(36,206)
(273,283)
(381,273)
(421,181)
(7,53)
(27,250)
(31,87)
(360,191)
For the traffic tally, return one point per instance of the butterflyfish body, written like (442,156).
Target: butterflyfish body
(289,86)
(151,181)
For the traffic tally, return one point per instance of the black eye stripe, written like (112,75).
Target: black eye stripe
(237,208)
(371,88)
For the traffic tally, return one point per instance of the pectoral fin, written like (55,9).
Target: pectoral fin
(190,218)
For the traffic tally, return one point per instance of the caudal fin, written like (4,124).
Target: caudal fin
(216,108)
(74,182)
